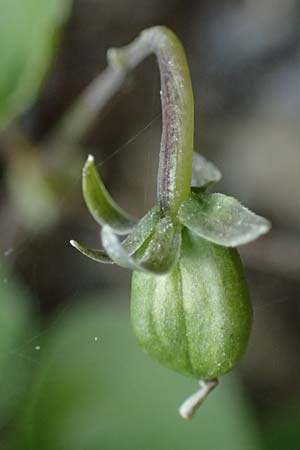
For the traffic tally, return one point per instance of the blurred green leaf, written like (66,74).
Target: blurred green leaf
(282,429)
(95,389)
(30,192)
(37,191)
(27,37)
(16,328)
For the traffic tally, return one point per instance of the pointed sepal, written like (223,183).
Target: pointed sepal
(221,219)
(204,173)
(131,243)
(159,254)
(100,204)
(94,254)
(163,249)
(142,230)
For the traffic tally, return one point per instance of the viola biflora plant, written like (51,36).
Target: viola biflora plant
(190,306)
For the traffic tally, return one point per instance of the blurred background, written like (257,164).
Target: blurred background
(72,376)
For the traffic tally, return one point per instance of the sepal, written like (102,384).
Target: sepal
(204,173)
(221,219)
(94,254)
(100,204)
(131,243)
(142,230)
(159,254)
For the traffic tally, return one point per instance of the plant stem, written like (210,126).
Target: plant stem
(83,113)
(175,161)
(176,150)
(190,405)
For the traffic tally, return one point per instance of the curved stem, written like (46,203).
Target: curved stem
(176,151)
(175,162)
(192,403)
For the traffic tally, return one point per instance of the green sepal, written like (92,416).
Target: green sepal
(142,230)
(94,254)
(221,219)
(131,243)
(204,173)
(100,204)
(163,249)
(159,254)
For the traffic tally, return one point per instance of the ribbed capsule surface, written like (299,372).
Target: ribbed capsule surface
(197,318)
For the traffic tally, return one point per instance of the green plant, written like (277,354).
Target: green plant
(28,34)
(190,302)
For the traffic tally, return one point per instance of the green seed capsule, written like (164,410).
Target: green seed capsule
(196,319)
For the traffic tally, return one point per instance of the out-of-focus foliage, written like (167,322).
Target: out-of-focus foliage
(27,181)
(282,430)
(27,36)
(16,329)
(95,389)
(30,177)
